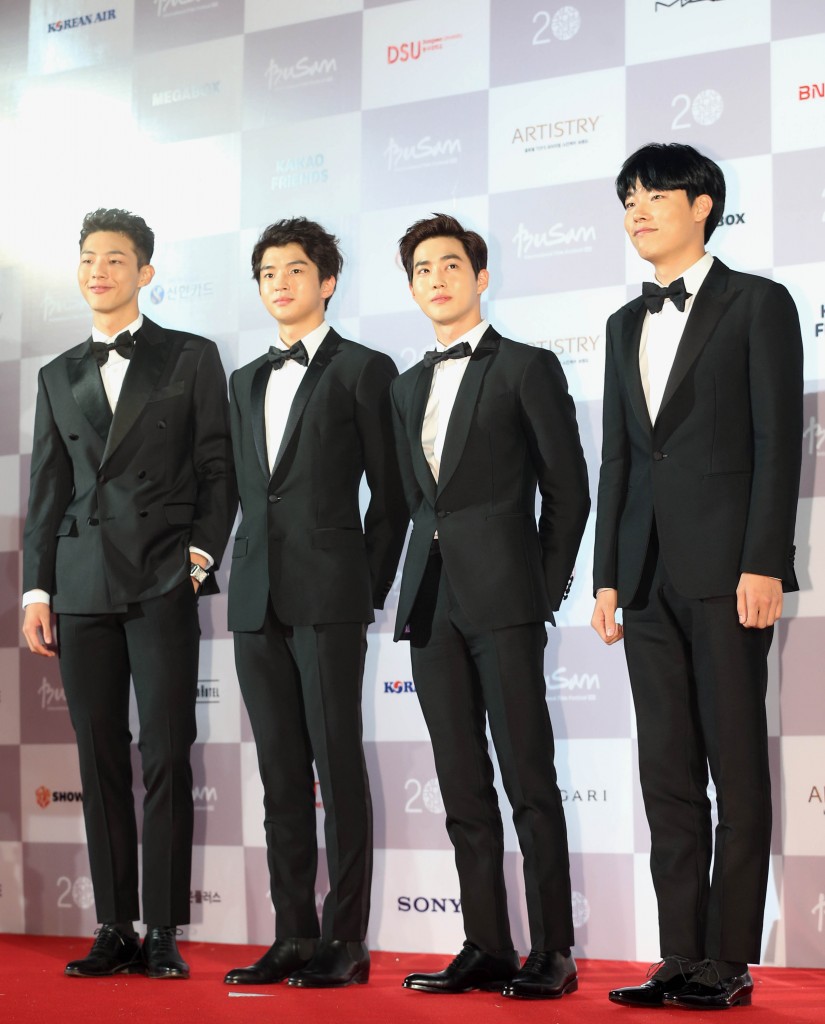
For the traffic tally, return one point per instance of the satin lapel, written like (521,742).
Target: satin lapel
(708,306)
(87,388)
(319,362)
(148,361)
(421,394)
(634,319)
(257,405)
(465,404)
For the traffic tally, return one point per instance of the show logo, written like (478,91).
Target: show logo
(303,71)
(45,797)
(425,152)
(556,240)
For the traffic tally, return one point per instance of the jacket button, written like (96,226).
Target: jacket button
(142,474)
(658,456)
(273,498)
(101,478)
(143,514)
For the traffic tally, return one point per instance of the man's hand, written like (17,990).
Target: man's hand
(38,629)
(604,616)
(758,600)
(198,560)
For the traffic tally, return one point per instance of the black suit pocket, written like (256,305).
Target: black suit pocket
(239,548)
(172,390)
(68,527)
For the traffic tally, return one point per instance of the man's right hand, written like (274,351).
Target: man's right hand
(39,629)
(604,616)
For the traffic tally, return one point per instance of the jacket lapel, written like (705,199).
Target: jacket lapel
(257,404)
(631,339)
(421,394)
(319,362)
(151,353)
(710,303)
(87,388)
(465,404)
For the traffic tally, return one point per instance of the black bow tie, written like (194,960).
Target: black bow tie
(654,296)
(278,356)
(459,351)
(124,343)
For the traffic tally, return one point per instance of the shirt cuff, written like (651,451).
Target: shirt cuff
(210,561)
(36,597)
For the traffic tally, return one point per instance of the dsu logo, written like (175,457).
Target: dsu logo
(399,686)
(404,52)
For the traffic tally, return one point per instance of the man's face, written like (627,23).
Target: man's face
(109,276)
(665,227)
(445,286)
(291,287)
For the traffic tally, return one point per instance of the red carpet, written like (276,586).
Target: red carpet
(34,989)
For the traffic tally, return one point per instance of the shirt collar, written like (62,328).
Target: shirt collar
(695,275)
(312,340)
(472,337)
(132,328)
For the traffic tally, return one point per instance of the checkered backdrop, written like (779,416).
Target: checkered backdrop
(212,118)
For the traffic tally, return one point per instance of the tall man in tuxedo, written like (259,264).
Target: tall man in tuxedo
(132,501)
(310,418)
(480,423)
(694,540)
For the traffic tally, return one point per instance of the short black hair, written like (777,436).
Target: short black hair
(321,247)
(123,222)
(441,225)
(671,166)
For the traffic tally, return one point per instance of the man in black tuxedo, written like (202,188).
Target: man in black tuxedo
(480,423)
(694,540)
(132,501)
(309,419)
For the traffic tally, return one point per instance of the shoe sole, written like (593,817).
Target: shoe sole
(359,979)
(493,986)
(567,989)
(125,969)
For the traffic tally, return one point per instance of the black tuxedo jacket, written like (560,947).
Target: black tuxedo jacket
(115,502)
(719,469)
(513,428)
(301,539)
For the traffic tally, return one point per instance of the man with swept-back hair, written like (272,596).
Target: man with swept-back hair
(132,501)
(694,541)
(311,418)
(481,424)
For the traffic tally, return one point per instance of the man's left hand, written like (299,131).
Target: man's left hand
(758,600)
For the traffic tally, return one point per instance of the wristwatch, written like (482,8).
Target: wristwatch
(197,572)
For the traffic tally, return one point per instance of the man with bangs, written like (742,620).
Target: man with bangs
(694,541)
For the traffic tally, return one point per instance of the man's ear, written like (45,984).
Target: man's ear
(145,275)
(702,205)
(482,281)
(328,287)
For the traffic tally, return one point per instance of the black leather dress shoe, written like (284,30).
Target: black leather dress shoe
(112,952)
(543,976)
(161,956)
(721,995)
(471,969)
(672,974)
(284,957)
(336,963)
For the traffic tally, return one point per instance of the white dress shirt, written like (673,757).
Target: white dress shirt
(447,377)
(281,390)
(661,334)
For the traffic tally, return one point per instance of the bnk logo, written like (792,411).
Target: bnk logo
(45,796)
(399,686)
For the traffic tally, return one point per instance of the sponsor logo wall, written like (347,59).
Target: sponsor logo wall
(214,117)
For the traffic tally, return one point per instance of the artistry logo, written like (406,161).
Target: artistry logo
(82,20)
(426,152)
(302,72)
(557,240)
